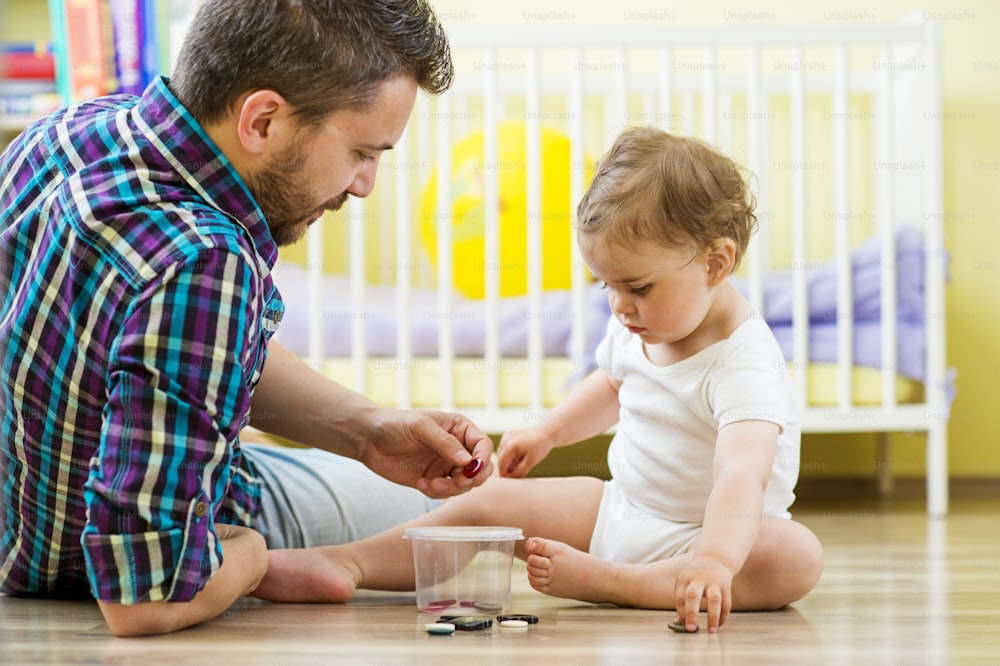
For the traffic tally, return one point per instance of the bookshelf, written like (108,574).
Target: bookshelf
(21,22)
(97,47)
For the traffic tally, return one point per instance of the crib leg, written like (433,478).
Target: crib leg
(937,470)
(883,466)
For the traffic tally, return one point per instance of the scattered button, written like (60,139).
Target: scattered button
(471,623)
(681,628)
(530,619)
(439,628)
(513,623)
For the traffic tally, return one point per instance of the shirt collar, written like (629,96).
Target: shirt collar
(170,127)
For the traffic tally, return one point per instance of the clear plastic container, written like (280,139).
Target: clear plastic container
(463,570)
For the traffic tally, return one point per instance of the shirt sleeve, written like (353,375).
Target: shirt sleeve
(605,353)
(752,381)
(177,398)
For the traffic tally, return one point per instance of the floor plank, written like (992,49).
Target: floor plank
(897,589)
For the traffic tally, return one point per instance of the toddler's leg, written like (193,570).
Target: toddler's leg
(784,565)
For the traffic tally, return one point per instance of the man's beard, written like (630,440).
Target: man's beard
(287,206)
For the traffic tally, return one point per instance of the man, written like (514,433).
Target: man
(136,241)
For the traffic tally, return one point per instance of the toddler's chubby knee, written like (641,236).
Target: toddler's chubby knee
(787,568)
(804,568)
(817,560)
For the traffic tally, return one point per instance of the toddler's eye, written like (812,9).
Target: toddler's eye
(639,291)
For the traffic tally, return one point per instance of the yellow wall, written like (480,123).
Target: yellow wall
(971,83)
(24,21)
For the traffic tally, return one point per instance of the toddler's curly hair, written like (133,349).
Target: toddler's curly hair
(678,191)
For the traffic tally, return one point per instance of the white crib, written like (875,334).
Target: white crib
(841,125)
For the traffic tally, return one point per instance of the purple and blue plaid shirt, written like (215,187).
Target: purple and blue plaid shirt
(136,307)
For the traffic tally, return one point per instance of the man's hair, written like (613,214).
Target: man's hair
(676,191)
(320,55)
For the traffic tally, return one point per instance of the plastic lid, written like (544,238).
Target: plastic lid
(456,533)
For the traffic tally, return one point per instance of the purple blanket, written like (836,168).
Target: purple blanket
(468,316)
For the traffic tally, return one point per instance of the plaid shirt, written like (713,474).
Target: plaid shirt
(136,308)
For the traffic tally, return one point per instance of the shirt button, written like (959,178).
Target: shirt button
(200,509)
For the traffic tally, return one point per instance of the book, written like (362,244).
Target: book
(80,48)
(60,49)
(127,29)
(151,19)
(18,64)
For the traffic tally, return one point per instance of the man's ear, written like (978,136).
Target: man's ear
(263,117)
(721,260)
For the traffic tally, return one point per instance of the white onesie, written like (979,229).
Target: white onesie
(662,453)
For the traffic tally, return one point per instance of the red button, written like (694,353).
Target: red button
(473,468)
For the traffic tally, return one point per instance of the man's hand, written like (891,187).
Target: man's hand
(426,449)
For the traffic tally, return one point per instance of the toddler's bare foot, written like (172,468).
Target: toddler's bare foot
(307,575)
(560,570)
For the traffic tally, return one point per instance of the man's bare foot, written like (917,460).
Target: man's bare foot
(560,570)
(307,575)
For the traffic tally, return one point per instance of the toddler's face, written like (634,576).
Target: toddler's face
(660,294)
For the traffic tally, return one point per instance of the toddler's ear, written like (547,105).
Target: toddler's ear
(721,260)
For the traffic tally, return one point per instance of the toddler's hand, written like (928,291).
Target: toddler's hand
(705,578)
(521,450)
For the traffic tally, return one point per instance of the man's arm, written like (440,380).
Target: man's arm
(423,449)
(294,401)
(243,567)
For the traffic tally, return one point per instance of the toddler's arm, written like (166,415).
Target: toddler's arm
(743,459)
(589,409)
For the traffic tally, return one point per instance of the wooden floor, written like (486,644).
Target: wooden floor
(898,589)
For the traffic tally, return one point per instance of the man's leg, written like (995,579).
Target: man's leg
(314,498)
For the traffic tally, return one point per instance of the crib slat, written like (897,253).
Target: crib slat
(314,289)
(724,139)
(446,344)
(935,276)
(491,222)
(800,312)
(883,178)
(756,121)
(578,284)
(842,228)
(709,95)
(620,118)
(403,363)
(533,173)
(665,85)
(359,338)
